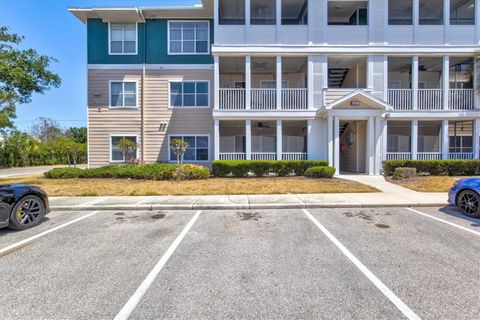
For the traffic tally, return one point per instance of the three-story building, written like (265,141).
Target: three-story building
(352,82)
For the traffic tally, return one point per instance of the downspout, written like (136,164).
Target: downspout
(142,111)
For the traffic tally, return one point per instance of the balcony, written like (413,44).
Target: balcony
(263,99)
(430,99)
(232,99)
(461,99)
(400,99)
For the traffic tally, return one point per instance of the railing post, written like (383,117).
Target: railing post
(248,139)
(415,83)
(336,148)
(279,83)
(371,145)
(330,140)
(414,140)
(216,81)
(248,82)
(476,142)
(216,140)
(279,140)
(445,142)
(446,81)
(310,82)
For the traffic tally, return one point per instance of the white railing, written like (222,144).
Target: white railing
(232,99)
(430,99)
(264,156)
(263,99)
(461,99)
(294,156)
(232,156)
(460,156)
(294,99)
(400,99)
(429,155)
(399,156)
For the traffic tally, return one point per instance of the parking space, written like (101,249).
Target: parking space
(365,264)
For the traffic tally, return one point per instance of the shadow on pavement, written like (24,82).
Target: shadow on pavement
(455,212)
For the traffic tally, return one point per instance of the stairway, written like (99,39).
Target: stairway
(336,77)
(343,126)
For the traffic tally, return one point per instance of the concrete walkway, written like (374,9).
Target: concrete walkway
(26,171)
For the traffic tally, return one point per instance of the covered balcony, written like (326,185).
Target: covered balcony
(460,137)
(461,94)
(345,74)
(400,92)
(399,140)
(232,83)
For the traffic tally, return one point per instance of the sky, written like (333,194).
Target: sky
(50,29)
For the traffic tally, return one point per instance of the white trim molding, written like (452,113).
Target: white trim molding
(121,135)
(190,81)
(123,81)
(123,40)
(195,53)
(183,135)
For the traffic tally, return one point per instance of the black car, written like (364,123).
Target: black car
(22,206)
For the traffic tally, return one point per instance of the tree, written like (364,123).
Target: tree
(46,129)
(16,148)
(77,134)
(179,147)
(71,150)
(129,149)
(22,73)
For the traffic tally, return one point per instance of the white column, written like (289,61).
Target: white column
(216,139)
(216,17)
(415,16)
(279,82)
(444,141)
(324,19)
(248,139)
(216,80)
(414,136)
(336,148)
(371,145)
(279,140)
(278,14)
(330,140)
(477,21)
(415,82)
(310,89)
(369,72)
(446,81)
(476,142)
(248,82)
(476,84)
(378,156)
(446,18)
(385,139)
(247,21)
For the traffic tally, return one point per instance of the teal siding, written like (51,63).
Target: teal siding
(156,46)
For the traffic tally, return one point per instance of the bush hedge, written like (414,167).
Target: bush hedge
(320,172)
(155,171)
(435,167)
(404,173)
(282,168)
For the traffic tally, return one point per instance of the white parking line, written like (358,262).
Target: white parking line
(445,221)
(379,284)
(25,241)
(142,289)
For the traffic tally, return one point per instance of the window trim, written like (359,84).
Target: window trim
(110,94)
(195,40)
(110,42)
(183,135)
(121,135)
(170,106)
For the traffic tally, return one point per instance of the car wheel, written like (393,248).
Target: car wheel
(27,213)
(468,201)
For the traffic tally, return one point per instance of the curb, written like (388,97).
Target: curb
(242,206)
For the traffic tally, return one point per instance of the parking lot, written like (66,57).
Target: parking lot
(387,263)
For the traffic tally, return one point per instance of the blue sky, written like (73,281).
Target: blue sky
(52,30)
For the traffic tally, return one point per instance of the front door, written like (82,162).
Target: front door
(353,146)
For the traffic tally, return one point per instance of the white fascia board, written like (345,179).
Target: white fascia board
(263,115)
(434,115)
(150,66)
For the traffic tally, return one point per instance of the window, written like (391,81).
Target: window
(294,12)
(188,37)
(123,94)
(263,12)
(231,12)
(462,12)
(123,38)
(348,13)
(197,148)
(116,154)
(400,12)
(431,12)
(189,94)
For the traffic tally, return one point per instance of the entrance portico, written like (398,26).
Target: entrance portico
(356,143)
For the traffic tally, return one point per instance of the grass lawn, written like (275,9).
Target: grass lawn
(213,186)
(427,184)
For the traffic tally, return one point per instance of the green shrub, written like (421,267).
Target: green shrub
(154,171)
(241,168)
(404,173)
(320,172)
(435,167)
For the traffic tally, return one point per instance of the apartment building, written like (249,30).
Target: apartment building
(352,82)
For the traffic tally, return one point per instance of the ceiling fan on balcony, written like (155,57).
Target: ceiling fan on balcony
(261,66)
(261,125)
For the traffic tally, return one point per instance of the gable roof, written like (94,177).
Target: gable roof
(367,98)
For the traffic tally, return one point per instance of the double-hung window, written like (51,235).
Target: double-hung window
(198,148)
(189,94)
(123,38)
(123,94)
(117,154)
(188,37)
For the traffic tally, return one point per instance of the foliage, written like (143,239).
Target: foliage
(242,168)
(46,129)
(179,147)
(404,173)
(154,171)
(128,148)
(77,134)
(435,167)
(22,73)
(320,172)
